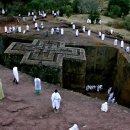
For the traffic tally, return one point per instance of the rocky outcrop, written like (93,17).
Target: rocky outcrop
(122,79)
(101,65)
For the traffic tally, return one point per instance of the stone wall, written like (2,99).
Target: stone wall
(100,65)
(74,74)
(122,79)
(44,59)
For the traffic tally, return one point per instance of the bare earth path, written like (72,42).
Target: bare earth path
(23,110)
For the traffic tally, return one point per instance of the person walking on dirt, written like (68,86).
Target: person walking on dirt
(16,75)
(56,100)
(37,83)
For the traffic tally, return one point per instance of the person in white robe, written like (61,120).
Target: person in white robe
(44,15)
(34,20)
(77,32)
(19,29)
(32,13)
(102,36)
(27,28)
(16,75)
(113,100)
(35,16)
(10,29)
(127,49)
(52,12)
(100,21)
(110,97)
(36,25)
(38,29)
(39,12)
(104,107)
(24,19)
(1,91)
(13,29)
(37,83)
(24,31)
(83,29)
(99,88)
(89,32)
(3,11)
(88,21)
(57,30)
(52,31)
(42,25)
(5,29)
(111,31)
(99,34)
(58,13)
(109,90)
(74,127)
(62,31)
(115,42)
(73,26)
(122,44)
(56,100)
(28,13)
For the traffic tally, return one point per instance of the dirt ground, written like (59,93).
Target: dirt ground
(23,110)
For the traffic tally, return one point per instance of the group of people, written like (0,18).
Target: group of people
(92,88)
(57,30)
(55,98)
(101,35)
(111,99)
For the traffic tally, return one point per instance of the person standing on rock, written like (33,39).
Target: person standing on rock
(1,91)
(16,75)
(56,100)
(37,83)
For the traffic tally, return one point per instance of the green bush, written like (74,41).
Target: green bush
(68,10)
(115,11)
(94,15)
(127,23)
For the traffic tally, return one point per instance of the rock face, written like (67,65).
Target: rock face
(122,79)
(73,66)
(50,61)
(100,64)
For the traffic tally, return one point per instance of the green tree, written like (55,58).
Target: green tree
(75,5)
(87,6)
(115,11)
(127,23)
(91,7)
(124,6)
(68,10)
